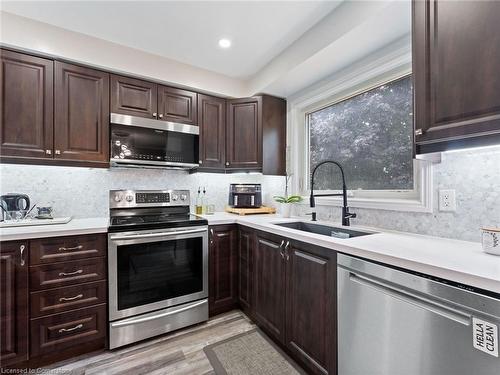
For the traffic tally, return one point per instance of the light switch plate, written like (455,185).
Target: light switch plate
(447,200)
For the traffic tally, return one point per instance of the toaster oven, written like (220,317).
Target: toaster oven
(245,195)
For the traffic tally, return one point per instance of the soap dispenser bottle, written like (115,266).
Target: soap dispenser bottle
(199,204)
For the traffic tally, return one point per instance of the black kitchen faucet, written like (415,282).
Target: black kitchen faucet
(346,215)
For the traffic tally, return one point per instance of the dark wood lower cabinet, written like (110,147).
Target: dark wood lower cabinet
(61,331)
(269,284)
(13,303)
(53,306)
(311,306)
(245,270)
(289,288)
(223,269)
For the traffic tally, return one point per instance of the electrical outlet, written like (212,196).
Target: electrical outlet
(447,201)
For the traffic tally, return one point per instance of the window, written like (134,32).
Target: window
(370,135)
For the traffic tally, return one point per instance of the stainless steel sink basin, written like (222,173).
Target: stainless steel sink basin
(324,230)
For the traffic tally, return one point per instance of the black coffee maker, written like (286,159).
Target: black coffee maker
(14,202)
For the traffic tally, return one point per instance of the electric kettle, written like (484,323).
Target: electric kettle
(14,202)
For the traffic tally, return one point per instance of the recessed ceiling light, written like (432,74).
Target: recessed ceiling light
(224,43)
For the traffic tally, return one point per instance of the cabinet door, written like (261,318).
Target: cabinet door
(223,253)
(82,114)
(212,123)
(311,306)
(133,97)
(456,55)
(269,285)
(26,97)
(177,105)
(244,134)
(13,303)
(245,274)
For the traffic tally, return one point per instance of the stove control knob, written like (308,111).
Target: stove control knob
(118,198)
(175,197)
(129,198)
(183,197)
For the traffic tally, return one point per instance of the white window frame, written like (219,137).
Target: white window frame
(363,77)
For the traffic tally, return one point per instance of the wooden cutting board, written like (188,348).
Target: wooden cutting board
(251,211)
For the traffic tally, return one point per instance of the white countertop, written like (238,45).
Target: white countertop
(74,227)
(459,261)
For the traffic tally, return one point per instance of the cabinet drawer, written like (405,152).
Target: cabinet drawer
(68,273)
(58,300)
(63,331)
(59,249)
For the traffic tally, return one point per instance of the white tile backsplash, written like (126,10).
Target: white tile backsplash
(83,192)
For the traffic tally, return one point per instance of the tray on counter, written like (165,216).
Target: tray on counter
(29,222)
(251,211)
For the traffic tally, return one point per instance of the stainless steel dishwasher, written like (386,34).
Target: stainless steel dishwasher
(393,322)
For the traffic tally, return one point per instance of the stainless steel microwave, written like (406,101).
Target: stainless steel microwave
(148,143)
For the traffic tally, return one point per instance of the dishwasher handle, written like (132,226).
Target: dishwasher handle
(423,302)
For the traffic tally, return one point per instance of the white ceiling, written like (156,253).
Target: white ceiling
(188,31)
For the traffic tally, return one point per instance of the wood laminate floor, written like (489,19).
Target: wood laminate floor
(180,352)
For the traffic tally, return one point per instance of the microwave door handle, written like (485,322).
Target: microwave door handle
(158,234)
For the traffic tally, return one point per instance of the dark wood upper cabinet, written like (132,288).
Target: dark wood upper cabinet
(13,303)
(311,306)
(269,284)
(26,97)
(223,254)
(456,59)
(177,105)
(81,126)
(212,123)
(244,134)
(273,136)
(256,134)
(133,97)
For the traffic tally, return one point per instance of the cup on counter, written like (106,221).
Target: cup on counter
(44,212)
(490,239)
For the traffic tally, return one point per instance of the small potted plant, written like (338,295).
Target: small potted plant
(287,201)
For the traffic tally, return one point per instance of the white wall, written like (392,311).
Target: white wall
(34,36)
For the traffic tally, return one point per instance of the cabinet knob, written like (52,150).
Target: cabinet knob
(227,163)
(48,152)
(200,161)
(58,152)
(419,132)
(160,115)
(154,114)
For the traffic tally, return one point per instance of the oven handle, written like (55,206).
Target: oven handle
(153,235)
(162,315)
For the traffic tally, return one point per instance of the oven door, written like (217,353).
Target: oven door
(154,269)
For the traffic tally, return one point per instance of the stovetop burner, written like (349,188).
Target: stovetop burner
(141,210)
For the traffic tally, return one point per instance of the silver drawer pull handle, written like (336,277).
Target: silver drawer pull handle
(63,299)
(70,273)
(79,247)
(62,330)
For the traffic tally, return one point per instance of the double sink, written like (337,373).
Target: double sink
(325,230)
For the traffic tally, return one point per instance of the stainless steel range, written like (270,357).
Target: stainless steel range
(157,264)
